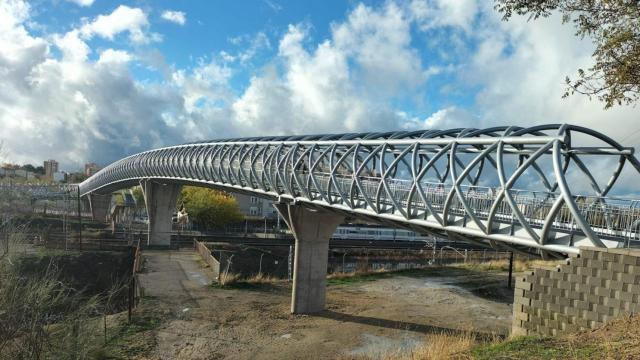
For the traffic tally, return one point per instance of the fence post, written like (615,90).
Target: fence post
(290,260)
(343,255)
(79,220)
(131,290)
(510,268)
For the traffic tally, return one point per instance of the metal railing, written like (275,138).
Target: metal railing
(429,181)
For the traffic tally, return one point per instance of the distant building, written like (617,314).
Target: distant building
(90,169)
(253,207)
(50,168)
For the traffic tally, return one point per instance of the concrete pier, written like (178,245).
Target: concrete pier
(99,206)
(312,230)
(160,200)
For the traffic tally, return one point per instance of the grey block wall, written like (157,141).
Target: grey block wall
(593,287)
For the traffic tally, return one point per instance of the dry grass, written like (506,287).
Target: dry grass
(440,346)
(445,345)
(227,278)
(237,280)
(339,275)
(503,265)
(261,278)
(619,339)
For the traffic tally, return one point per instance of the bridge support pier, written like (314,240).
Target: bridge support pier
(99,205)
(160,200)
(312,230)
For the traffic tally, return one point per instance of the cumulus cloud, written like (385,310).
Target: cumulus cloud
(91,108)
(111,56)
(177,17)
(205,85)
(345,83)
(73,108)
(83,3)
(123,18)
(444,13)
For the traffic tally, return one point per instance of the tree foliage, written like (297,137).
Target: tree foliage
(210,208)
(614,28)
(138,195)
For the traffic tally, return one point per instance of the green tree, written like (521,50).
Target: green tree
(614,28)
(138,195)
(210,208)
(29,167)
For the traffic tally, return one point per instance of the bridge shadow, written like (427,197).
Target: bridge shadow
(405,325)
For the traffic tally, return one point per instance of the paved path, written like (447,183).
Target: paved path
(173,276)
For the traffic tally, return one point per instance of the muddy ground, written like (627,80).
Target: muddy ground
(198,321)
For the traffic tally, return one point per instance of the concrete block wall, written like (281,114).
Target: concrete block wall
(593,287)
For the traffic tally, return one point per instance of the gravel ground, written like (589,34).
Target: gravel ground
(366,318)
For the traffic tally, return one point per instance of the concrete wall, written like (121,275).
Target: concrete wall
(205,253)
(592,288)
(271,261)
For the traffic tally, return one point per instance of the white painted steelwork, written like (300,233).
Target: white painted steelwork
(427,181)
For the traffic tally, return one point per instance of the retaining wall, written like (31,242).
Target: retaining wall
(205,253)
(593,287)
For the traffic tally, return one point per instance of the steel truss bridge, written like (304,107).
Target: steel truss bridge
(503,186)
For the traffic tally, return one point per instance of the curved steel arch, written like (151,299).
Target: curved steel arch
(452,181)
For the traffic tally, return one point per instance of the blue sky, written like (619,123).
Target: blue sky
(229,27)
(84,80)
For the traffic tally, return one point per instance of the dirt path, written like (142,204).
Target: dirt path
(362,318)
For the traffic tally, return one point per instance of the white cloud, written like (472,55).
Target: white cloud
(73,48)
(206,84)
(111,56)
(273,5)
(72,107)
(357,79)
(520,67)
(444,13)
(345,83)
(83,3)
(123,18)
(177,17)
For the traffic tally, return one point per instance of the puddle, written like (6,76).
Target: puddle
(379,347)
(198,278)
(441,283)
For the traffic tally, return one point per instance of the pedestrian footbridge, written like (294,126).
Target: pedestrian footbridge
(502,184)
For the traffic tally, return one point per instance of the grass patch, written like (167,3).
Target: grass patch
(340,278)
(132,340)
(619,339)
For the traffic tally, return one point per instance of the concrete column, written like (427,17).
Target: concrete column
(312,230)
(99,206)
(160,200)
